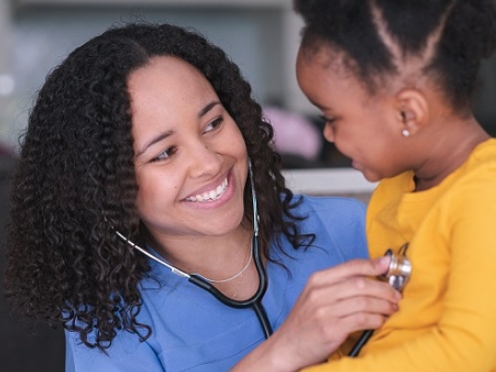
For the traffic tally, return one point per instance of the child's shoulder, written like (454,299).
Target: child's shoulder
(481,165)
(484,153)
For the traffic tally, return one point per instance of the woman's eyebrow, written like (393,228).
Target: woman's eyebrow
(154,140)
(166,134)
(207,108)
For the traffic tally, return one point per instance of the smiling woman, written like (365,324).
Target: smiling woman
(132,186)
(191,162)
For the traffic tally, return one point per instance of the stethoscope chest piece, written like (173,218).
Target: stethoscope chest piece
(399,270)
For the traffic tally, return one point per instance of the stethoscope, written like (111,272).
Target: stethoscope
(254,302)
(397,276)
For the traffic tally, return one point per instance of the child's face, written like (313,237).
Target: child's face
(190,157)
(363,127)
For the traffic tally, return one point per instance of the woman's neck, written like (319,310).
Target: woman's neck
(212,256)
(224,260)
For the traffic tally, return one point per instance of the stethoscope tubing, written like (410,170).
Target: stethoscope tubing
(357,347)
(255,301)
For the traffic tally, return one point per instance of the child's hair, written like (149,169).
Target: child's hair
(75,181)
(447,38)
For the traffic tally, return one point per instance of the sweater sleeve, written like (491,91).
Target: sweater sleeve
(464,337)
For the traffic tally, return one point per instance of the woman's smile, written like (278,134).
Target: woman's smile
(211,195)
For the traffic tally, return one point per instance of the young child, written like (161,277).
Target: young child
(394,80)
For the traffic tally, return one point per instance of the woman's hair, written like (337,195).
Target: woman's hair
(75,183)
(451,37)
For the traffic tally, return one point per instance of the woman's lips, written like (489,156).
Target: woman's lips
(211,195)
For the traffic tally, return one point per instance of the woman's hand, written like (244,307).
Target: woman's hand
(334,303)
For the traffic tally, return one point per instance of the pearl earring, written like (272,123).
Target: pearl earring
(405,133)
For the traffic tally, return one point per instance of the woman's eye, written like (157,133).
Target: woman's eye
(166,154)
(214,124)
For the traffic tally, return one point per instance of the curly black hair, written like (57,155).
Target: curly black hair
(75,181)
(463,31)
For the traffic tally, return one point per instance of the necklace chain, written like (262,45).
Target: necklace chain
(232,277)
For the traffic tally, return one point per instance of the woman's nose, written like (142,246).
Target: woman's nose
(204,160)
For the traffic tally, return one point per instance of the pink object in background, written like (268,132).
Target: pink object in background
(6,151)
(294,133)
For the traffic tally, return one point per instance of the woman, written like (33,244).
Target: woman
(134,168)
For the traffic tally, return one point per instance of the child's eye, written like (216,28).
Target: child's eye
(327,120)
(214,124)
(166,154)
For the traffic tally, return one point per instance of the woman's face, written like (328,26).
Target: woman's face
(191,161)
(363,127)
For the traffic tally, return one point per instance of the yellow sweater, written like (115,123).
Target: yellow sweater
(447,317)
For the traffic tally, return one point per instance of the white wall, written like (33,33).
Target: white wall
(262,37)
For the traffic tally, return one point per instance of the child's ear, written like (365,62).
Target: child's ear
(412,111)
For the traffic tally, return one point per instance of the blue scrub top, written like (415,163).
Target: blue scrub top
(193,331)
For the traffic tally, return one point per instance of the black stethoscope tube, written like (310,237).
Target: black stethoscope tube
(254,302)
(357,347)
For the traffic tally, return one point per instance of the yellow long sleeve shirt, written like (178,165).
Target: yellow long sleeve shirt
(447,317)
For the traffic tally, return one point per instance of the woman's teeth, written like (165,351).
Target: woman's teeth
(210,195)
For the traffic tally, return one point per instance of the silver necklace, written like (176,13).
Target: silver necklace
(232,277)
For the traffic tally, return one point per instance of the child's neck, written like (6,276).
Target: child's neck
(448,152)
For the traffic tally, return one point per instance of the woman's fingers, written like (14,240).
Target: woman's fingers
(356,287)
(361,322)
(353,314)
(325,288)
(346,315)
(349,269)
(360,305)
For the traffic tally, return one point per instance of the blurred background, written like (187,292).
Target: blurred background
(261,36)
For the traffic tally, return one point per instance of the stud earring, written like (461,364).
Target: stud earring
(405,133)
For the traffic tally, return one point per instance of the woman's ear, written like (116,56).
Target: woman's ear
(412,111)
